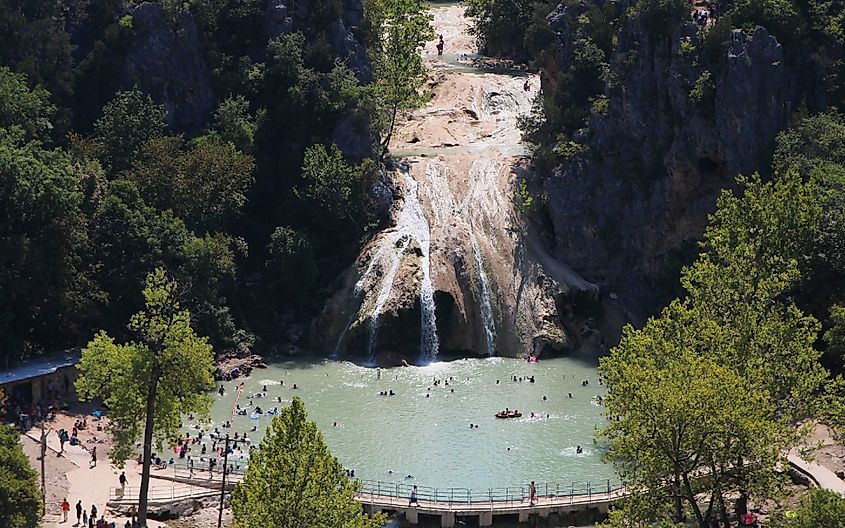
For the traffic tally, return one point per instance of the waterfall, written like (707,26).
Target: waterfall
(411,224)
(412,219)
(486,308)
(386,287)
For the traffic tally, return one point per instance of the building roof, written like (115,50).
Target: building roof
(41,366)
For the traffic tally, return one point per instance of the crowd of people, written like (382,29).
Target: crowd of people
(84,519)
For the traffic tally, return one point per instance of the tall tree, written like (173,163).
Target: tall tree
(149,383)
(127,122)
(204,181)
(294,481)
(757,349)
(43,243)
(400,28)
(20,498)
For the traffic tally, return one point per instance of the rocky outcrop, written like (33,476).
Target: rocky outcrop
(629,213)
(236,363)
(165,60)
(288,16)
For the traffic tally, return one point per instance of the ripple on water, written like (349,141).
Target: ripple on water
(429,437)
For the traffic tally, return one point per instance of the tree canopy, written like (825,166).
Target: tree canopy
(20,497)
(148,383)
(402,27)
(293,480)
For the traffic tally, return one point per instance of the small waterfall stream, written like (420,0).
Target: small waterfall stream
(400,246)
(411,224)
(486,308)
(417,225)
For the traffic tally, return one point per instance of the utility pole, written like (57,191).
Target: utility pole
(43,479)
(223,484)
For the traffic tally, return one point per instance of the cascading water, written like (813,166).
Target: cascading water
(411,224)
(412,218)
(400,245)
(486,308)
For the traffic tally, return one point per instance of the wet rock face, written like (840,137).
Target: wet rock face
(165,60)
(629,215)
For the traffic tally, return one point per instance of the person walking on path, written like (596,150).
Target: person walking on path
(532,494)
(93,457)
(65,510)
(122,480)
(413,499)
(440,45)
(78,512)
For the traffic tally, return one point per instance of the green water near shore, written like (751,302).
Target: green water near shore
(387,438)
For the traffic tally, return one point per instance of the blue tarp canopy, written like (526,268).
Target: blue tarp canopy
(40,366)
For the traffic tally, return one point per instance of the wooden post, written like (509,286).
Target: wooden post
(223,483)
(43,479)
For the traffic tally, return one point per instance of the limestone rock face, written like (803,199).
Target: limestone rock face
(166,61)
(629,214)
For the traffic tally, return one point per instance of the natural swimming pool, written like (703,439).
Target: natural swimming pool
(387,438)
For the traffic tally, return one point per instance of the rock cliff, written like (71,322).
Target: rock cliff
(627,214)
(166,60)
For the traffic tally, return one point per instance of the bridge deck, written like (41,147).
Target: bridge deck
(503,507)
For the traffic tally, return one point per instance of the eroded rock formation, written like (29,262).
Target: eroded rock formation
(629,214)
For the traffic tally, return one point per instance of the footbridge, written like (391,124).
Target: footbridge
(585,502)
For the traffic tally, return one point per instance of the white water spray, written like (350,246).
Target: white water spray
(400,244)
(411,224)
(486,308)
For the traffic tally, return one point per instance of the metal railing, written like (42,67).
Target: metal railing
(159,493)
(574,491)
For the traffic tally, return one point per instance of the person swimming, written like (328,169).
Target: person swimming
(578,450)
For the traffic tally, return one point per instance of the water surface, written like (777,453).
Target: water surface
(424,430)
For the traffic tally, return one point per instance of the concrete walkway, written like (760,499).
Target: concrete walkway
(821,476)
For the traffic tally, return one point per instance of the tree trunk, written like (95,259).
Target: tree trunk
(690,495)
(148,450)
(389,136)
(676,491)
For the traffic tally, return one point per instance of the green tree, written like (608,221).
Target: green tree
(43,248)
(290,265)
(820,508)
(127,122)
(293,480)
(204,181)
(149,383)
(815,142)
(500,26)
(660,17)
(403,27)
(780,17)
(739,324)
(234,124)
(680,411)
(20,106)
(333,185)
(20,498)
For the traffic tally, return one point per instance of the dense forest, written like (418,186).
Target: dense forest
(238,145)
(231,142)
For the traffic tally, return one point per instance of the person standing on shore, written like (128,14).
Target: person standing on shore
(65,510)
(78,512)
(94,457)
(532,494)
